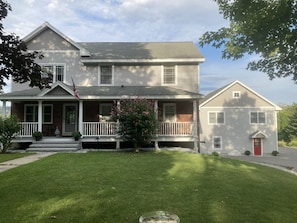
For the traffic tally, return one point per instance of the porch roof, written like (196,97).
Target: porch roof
(61,91)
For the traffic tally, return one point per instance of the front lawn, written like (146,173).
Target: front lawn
(119,187)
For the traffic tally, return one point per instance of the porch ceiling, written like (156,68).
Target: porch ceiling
(104,92)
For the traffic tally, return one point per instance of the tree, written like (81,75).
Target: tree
(291,129)
(137,122)
(15,61)
(8,128)
(267,28)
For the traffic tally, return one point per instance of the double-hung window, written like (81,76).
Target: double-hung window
(105,111)
(216,118)
(106,75)
(31,113)
(57,71)
(169,75)
(169,114)
(217,142)
(257,117)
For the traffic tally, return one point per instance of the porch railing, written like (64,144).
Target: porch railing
(176,128)
(27,128)
(109,128)
(99,128)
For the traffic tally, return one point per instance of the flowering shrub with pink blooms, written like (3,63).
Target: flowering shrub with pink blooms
(137,122)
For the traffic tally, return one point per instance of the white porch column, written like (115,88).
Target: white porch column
(156,117)
(195,132)
(3,109)
(80,117)
(118,140)
(40,116)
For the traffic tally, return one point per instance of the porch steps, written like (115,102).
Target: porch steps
(55,145)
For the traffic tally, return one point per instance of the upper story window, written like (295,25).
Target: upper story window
(106,75)
(236,94)
(169,75)
(58,71)
(216,118)
(257,117)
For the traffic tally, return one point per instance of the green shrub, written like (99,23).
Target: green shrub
(8,128)
(275,153)
(215,153)
(247,152)
(137,120)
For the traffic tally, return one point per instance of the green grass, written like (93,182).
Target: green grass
(119,187)
(10,156)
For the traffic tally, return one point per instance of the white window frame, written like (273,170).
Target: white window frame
(35,113)
(99,75)
(163,74)
(220,143)
(55,65)
(165,119)
(216,118)
(43,113)
(104,117)
(236,94)
(258,118)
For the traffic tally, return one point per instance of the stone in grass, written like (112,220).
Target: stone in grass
(159,217)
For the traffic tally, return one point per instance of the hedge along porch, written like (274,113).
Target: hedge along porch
(48,109)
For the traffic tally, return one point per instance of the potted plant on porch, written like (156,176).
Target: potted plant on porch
(37,135)
(76,135)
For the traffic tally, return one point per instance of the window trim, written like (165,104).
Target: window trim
(99,75)
(164,109)
(43,113)
(258,123)
(221,142)
(235,93)
(35,106)
(175,75)
(55,65)
(216,123)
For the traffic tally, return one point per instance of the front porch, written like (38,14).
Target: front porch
(54,109)
(107,132)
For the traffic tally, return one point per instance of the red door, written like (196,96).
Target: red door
(257,147)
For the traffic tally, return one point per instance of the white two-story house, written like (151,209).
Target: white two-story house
(104,73)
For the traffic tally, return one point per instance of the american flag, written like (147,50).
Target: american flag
(75,91)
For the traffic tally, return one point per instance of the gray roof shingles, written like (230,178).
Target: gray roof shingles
(142,50)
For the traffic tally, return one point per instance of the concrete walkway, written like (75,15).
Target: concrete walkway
(24,160)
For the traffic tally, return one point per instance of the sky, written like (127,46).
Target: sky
(148,21)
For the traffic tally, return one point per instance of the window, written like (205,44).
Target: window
(31,113)
(236,94)
(47,114)
(257,117)
(106,75)
(58,72)
(217,142)
(169,75)
(105,112)
(169,114)
(216,118)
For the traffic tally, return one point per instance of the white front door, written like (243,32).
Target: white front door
(69,119)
